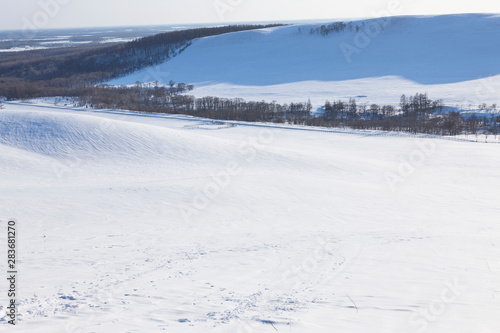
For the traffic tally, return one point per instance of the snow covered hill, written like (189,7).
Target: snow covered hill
(132,222)
(453,57)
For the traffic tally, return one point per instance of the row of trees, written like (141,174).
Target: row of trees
(415,114)
(170,99)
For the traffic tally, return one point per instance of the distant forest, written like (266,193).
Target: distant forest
(77,72)
(48,72)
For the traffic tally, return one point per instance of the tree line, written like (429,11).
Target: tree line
(415,114)
(171,99)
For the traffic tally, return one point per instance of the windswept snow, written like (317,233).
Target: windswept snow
(446,56)
(144,223)
(85,137)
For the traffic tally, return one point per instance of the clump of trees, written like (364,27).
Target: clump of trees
(336,27)
(416,114)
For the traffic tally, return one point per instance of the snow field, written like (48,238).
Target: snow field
(304,232)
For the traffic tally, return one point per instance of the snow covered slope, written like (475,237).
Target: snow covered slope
(442,55)
(139,223)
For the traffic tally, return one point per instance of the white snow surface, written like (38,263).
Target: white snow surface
(451,57)
(307,235)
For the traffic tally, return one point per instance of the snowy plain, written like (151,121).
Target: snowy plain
(147,223)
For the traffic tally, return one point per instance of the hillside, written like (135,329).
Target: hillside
(38,73)
(445,56)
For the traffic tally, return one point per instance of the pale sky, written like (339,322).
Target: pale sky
(46,14)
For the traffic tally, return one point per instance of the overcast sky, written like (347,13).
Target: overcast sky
(19,14)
